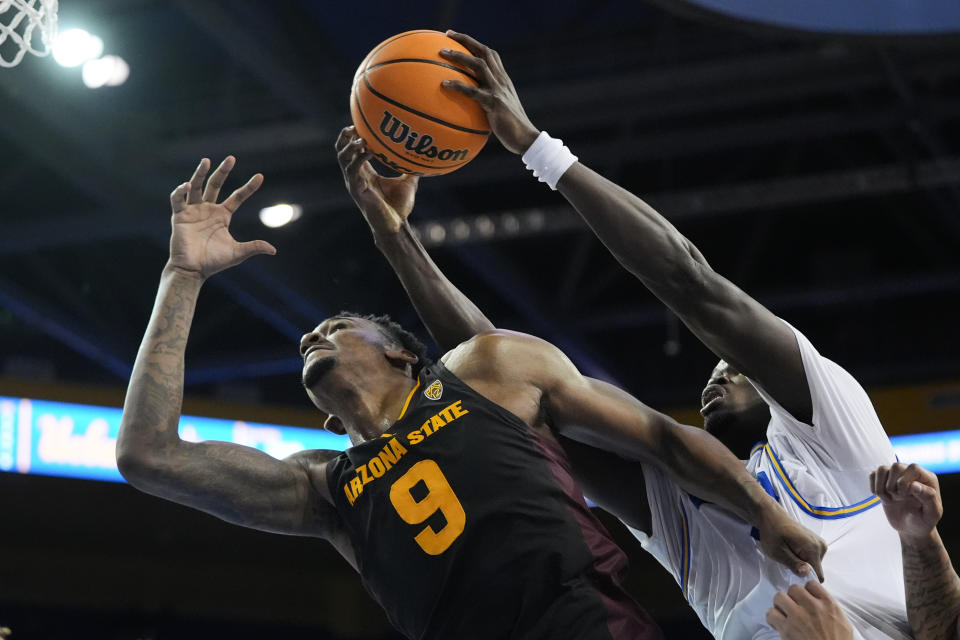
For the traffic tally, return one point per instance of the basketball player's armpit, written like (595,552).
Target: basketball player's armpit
(449,315)
(933,590)
(730,323)
(611,482)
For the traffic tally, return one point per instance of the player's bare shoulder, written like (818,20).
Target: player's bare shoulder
(500,354)
(507,367)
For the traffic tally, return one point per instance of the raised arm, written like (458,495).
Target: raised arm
(449,316)
(729,322)
(239,484)
(911,501)
(608,418)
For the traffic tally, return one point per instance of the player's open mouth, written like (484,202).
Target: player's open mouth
(710,398)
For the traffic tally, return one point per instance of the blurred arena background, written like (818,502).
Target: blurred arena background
(814,160)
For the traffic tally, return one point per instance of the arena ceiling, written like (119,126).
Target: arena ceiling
(822,174)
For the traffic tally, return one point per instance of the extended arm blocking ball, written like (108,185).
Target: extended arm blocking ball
(408,120)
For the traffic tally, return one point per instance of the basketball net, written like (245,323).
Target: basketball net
(18,21)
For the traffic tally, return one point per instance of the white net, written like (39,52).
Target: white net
(26,25)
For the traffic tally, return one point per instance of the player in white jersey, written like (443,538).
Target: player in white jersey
(819,435)
(816,471)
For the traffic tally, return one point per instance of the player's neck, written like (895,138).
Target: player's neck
(368,408)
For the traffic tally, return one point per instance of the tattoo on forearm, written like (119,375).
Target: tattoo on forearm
(932,590)
(156,387)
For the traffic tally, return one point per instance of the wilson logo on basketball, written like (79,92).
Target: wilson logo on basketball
(434,391)
(400,132)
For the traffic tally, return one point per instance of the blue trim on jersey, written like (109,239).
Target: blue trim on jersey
(821,513)
(764,481)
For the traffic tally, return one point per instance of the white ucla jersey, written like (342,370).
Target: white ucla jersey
(819,473)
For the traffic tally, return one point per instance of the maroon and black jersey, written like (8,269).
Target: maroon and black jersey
(467,524)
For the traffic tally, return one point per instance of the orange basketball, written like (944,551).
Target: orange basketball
(408,120)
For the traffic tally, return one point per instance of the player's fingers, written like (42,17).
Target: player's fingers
(926,476)
(255,248)
(473,46)
(212,191)
(897,469)
(348,154)
(922,492)
(903,480)
(815,560)
(478,66)
(240,195)
(785,604)
(799,594)
(776,619)
(478,94)
(347,134)
(496,64)
(794,562)
(178,197)
(817,590)
(880,484)
(196,181)
(355,169)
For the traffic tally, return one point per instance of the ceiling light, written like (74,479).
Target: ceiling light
(108,71)
(73,47)
(280,214)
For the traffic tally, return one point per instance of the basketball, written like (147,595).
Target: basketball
(408,120)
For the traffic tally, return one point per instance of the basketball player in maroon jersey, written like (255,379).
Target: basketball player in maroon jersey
(455,504)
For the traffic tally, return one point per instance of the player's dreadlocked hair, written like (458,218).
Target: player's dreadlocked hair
(398,334)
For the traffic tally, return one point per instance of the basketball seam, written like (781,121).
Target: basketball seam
(479,132)
(436,62)
(397,37)
(387,147)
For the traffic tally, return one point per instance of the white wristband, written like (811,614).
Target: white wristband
(549,159)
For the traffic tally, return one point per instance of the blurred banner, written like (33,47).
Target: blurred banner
(78,440)
(855,17)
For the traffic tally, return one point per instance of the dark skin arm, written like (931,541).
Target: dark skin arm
(386,204)
(537,382)
(239,484)
(730,323)
(452,318)
(912,503)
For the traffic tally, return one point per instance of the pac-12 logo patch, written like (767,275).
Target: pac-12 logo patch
(434,391)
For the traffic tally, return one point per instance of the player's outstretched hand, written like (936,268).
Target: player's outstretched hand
(495,94)
(791,544)
(911,498)
(201,242)
(385,202)
(806,612)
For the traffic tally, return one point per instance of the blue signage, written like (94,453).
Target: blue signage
(78,440)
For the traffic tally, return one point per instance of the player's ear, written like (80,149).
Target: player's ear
(402,358)
(334,425)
